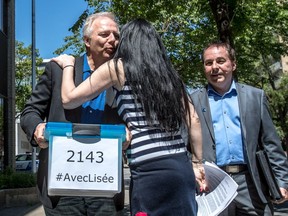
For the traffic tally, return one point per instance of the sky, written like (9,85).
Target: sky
(53,18)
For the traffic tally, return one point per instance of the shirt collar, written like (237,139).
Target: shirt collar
(86,67)
(232,89)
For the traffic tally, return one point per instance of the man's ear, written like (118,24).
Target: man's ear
(234,65)
(86,41)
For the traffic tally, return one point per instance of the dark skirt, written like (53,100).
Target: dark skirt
(163,186)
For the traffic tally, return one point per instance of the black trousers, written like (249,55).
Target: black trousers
(247,202)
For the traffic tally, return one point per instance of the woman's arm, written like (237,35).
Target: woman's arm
(195,141)
(102,78)
(195,134)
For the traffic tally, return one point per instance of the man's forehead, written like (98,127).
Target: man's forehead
(106,27)
(105,21)
(216,51)
(215,48)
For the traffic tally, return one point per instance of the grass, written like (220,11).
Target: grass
(10,179)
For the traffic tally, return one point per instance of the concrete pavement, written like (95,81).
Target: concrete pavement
(37,210)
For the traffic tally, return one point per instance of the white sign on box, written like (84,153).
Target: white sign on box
(87,166)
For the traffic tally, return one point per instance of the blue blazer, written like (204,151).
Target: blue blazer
(256,126)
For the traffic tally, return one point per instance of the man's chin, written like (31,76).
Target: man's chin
(217,80)
(109,55)
(109,51)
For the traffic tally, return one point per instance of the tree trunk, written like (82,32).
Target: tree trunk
(221,14)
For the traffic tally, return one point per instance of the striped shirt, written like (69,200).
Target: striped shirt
(147,141)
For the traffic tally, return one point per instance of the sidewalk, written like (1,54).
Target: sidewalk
(37,210)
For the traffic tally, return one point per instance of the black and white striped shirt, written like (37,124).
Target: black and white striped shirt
(147,141)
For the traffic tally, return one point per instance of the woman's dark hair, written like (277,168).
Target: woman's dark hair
(149,72)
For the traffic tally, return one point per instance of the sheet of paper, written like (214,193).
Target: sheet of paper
(222,190)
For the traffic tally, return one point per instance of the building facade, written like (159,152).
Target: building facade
(7,83)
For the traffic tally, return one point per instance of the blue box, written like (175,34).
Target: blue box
(84,130)
(78,169)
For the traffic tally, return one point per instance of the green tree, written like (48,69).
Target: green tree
(279,107)
(23,74)
(261,39)
(258,29)
(186,26)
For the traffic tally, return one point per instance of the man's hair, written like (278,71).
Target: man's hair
(230,50)
(90,19)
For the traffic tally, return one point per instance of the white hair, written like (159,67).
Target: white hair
(90,19)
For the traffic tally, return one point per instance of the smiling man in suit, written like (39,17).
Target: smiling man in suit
(235,118)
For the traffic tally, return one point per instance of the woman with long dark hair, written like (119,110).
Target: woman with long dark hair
(152,100)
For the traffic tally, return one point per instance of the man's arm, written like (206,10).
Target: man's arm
(272,145)
(37,107)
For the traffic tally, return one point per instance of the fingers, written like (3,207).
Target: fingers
(39,135)
(200,177)
(284,193)
(43,144)
(127,142)
(63,60)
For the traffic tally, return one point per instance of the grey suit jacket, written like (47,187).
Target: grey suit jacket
(256,126)
(45,104)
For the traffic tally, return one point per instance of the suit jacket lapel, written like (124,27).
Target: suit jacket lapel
(241,91)
(205,109)
(79,70)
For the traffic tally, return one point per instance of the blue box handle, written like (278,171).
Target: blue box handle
(86,130)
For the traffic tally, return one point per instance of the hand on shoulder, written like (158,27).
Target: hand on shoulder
(64,60)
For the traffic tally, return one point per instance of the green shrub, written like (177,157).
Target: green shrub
(10,179)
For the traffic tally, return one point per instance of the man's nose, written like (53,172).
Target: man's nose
(112,37)
(214,64)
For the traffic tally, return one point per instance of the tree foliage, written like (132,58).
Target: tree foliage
(279,107)
(23,74)
(259,33)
